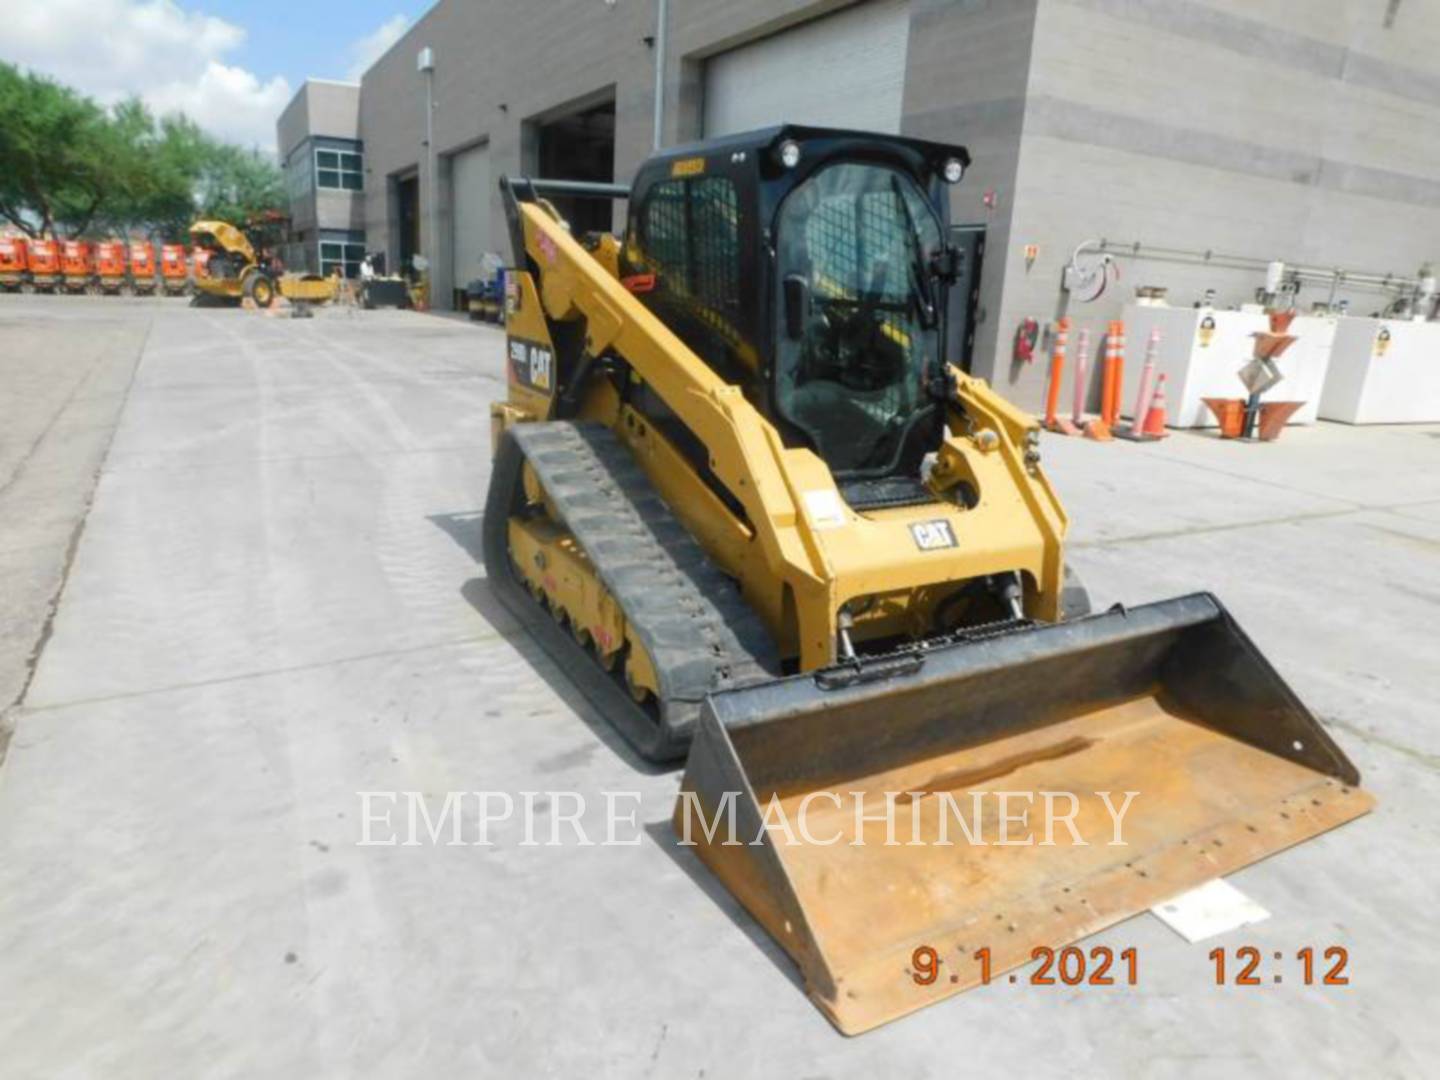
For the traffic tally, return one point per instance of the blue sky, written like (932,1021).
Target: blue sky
(231,66)
(306,37)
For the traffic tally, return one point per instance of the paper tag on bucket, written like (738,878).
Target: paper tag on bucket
(1213,908)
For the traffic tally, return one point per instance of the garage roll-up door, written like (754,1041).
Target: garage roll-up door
(841,70)
(470,201)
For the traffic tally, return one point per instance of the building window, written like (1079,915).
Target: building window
(299,178)
(339,169)
(344,257)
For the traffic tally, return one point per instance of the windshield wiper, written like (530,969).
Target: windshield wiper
(919,272)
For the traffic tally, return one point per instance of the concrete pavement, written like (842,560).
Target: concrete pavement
(275,604)
(63,377)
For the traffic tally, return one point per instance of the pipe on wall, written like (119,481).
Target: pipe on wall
(661,13)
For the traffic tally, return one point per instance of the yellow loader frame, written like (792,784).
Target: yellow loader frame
(799,552)
(1169,700)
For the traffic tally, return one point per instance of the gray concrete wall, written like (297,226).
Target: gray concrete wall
(334,108)
(502,66)
(340,209)
(294,123)
(969,63)
(319,107)
(1306,131)
(498,65)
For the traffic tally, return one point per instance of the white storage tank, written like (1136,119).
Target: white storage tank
(1383,371)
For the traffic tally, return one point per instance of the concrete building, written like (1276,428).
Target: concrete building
(1213,134)
(323,160)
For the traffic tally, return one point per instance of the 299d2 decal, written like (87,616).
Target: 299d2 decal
(532,365)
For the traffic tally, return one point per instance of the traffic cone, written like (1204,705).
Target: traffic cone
(1147,380)
(1135,430)
(1102,430)
(1091,429)
(1155,416)
(1095,429)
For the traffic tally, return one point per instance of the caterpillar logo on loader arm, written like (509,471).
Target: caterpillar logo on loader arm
(756,512)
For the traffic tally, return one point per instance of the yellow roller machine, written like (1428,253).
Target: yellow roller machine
(232,273)
(746,500)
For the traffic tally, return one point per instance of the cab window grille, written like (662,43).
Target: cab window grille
(692,238)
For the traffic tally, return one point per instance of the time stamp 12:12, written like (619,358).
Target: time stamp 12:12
(1101,966)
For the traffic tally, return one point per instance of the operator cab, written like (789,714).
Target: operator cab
(811,268)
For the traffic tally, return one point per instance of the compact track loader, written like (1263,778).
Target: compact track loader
(746,501)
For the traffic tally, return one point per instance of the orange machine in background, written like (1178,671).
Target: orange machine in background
(173,273)
(110,266)
(44,260)
(77,265)
(142,268)
(13,263)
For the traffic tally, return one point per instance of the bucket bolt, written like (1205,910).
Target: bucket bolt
(1011,592)
(844,621)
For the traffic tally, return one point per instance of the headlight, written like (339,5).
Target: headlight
(953,170)
(789,153)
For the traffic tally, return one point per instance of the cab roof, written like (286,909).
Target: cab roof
(765,138)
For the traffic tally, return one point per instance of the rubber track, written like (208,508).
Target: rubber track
(700,634)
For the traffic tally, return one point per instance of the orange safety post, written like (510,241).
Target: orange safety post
(1113,377)
(1053,422)
(1082,368)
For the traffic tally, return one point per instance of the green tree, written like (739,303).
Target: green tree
(53,146)
(67,164)
(237,184)
(157,169)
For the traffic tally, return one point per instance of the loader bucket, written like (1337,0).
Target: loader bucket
(1170,700)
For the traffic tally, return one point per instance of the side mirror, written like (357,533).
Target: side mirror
(797,305)
(947,263)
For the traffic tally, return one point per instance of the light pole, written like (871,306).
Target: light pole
(425,63)
(661,8)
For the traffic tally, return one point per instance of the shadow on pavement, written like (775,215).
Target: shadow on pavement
(662,833)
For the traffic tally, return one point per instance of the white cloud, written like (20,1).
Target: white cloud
(228,101)
(172,58)
(373,45)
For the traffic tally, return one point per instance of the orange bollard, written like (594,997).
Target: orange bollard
(1107,372)
(1113,377)
(1054,422)
(1082,369)
(1119,377)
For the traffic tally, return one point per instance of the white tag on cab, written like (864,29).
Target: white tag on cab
(824,508)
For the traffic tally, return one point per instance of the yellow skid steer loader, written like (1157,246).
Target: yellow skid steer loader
(746,500)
